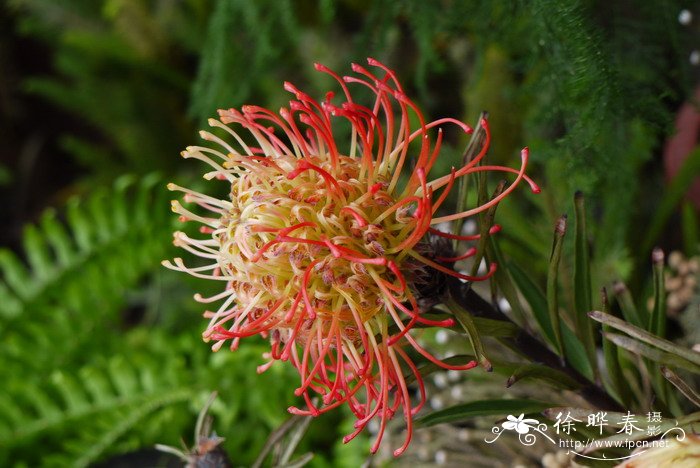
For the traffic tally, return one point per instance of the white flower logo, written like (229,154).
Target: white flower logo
(523,427)
(519,424)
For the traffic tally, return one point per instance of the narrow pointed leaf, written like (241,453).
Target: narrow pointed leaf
(58,238)
(473,409)
(657,321)
(681,385)
(553,284)
(575,352)
(617,382)
(641,349)
(36,248)
(495,328)
(629,309)
(582,282)
(540,372)
(642,335)
(536,299)
(466,321)
(505,282)
(475,144)
(485,221)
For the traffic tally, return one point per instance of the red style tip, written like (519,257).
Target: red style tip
(376,188)
(401,97)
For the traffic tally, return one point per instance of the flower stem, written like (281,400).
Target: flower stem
(527,345)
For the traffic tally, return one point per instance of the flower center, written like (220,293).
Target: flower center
(294,227)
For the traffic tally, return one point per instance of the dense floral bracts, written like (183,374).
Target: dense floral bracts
(322,243)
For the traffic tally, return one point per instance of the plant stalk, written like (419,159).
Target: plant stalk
(526,344)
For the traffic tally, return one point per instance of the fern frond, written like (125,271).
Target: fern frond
(100,229)
(77,274)
(91,408)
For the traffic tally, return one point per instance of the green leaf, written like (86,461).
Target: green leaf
(575,352)
(485,221)
(681,385)
(495,328)
(473,409)
(40,260)
(128,420)
(466,320)
(629,310)
(582,282)
(535,298)
(617,383)
(15,275)
(573,348)
(505,282)
(57,236)
(657,320)
(484,326)
(475,145)
(540,372)
(553,284)
(638,333)
(639,348)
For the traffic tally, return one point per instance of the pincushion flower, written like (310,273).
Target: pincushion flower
(321,244)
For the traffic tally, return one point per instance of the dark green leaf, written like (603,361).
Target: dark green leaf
(582,283)
(473,409)
(540,372)
(535,298)
(617,382)
(657,320)
(466,320)
(553,284)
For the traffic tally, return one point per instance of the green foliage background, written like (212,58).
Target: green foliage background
(100,345)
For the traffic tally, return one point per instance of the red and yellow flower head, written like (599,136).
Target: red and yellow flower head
(321,243)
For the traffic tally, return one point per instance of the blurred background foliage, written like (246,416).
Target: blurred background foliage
(100,345)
